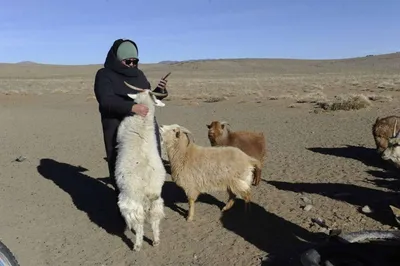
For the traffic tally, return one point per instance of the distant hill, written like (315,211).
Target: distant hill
(167,62)
(27,63)
(367,64)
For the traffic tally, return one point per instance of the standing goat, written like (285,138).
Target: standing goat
(392,152)
(252,143)
(382,131)
(197,169)
(139,170)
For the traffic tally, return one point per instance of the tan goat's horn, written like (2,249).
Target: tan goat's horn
(394,129)
(188,133)
(133,87)
(225,123)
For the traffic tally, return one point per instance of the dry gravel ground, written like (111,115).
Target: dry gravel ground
(57,208)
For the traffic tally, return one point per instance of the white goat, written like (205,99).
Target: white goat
(392,152)
(139,171)
(197,169)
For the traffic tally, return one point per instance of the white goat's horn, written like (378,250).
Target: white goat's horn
(133,87)
(158,93)
(394,129)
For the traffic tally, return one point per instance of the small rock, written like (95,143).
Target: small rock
(323,230)
(305,199)
(20,159)
(335,232)
(308,207)
(319,221)
(366,209)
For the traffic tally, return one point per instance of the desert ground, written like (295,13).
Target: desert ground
(57,207)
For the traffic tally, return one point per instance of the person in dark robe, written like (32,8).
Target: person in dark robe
(121,64)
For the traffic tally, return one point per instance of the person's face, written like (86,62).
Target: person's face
(130,62)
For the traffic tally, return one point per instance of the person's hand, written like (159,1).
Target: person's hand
(162,84)
(140,109)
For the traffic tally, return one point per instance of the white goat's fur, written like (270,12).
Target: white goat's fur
(198,169)
(139,171)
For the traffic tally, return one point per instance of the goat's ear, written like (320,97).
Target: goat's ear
(131,95)
(223,126)
(208,126)
(178,133)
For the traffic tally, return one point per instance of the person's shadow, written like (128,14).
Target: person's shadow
(88,194)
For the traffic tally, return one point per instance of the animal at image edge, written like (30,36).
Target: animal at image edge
(383,129)
(392,151)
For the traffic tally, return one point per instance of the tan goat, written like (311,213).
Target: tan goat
(252,143)
(197,169)
(382,130)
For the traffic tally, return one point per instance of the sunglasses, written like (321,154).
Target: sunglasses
(130,61)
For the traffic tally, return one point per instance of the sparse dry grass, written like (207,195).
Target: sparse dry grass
(380,98)
(312,97)
(346,102)
(218,80)
(386,85)
(281,97)
(214,99)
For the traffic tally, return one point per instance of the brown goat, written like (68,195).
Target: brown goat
(251,143)
(383,129)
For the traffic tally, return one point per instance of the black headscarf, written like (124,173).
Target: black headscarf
(115,64)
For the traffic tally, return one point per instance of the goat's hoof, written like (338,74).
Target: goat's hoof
(189,219)
(137,247)
(156,243)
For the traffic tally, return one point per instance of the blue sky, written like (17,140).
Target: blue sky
(81,32)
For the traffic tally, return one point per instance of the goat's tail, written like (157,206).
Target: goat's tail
(256,171)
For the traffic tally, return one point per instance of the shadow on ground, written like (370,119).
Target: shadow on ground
(385,179)
(173,194)
(358,196)
(99,201)
(90,195)
(282,240)
(367,156)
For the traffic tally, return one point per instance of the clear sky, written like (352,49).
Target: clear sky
(81,32)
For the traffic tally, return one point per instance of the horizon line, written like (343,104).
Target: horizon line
(28,62)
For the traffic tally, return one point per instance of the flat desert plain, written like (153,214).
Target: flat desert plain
(57,207)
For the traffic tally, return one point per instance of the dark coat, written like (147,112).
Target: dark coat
(114,104)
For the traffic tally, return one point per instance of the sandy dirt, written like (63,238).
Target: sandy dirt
(57,208)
